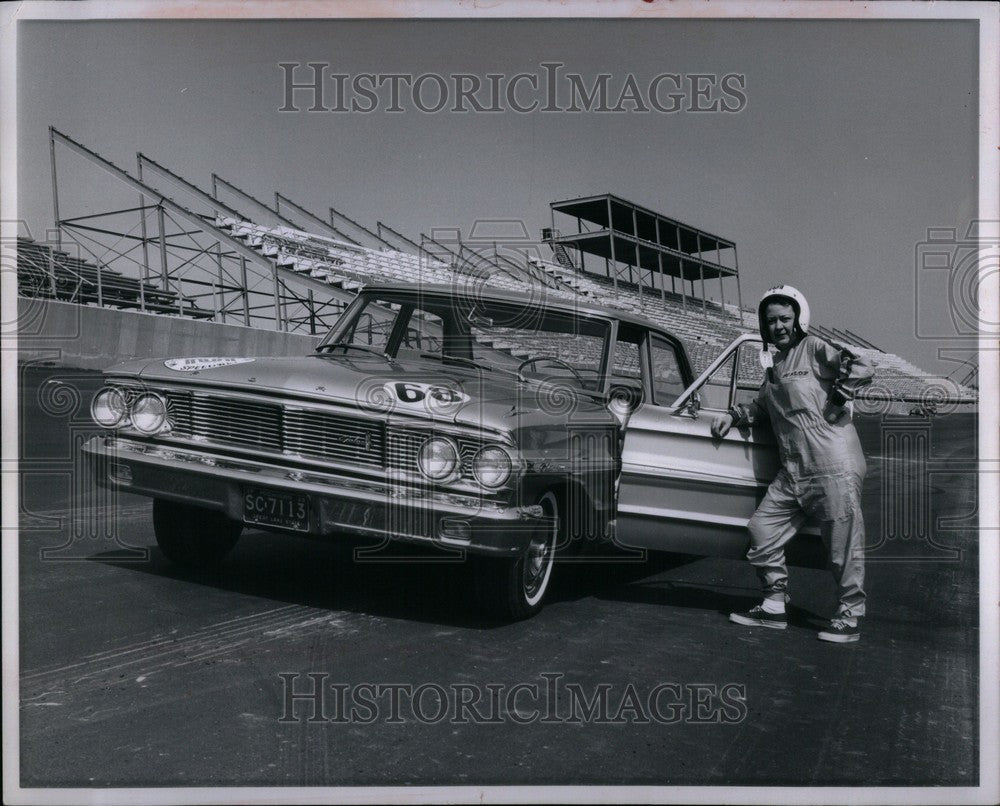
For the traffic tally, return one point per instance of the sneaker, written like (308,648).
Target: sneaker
(840,632)
(757,616)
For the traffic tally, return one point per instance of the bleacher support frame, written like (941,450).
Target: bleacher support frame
(314,219)
(409,244)
(220,278)
(335,214)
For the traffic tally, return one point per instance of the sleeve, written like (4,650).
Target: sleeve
(853,370)
(744,415)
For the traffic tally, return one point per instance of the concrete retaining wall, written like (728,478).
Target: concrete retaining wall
(88,337)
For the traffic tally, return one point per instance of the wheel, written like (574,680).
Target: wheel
(191,536)
(516,588)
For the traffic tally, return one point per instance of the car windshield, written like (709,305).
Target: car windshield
(492,335)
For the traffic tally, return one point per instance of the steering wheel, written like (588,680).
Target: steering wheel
(552,360)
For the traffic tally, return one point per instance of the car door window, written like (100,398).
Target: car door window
(423,333)
(722,390)
(626,373)
(716,390)
(667,382)
(749,373)
(625,362)
(373,326)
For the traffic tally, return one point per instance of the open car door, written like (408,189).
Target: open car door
(681,489)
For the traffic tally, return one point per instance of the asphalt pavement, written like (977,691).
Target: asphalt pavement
(299,664)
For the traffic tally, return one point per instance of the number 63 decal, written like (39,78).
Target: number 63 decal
(416,393)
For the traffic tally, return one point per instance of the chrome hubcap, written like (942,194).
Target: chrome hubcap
(538,559)
(535,563)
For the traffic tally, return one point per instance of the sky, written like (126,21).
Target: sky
(855,137)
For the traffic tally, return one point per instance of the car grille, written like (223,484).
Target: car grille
(404,446)
(331,436)
(274,428)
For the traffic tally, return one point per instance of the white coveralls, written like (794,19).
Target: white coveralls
(822,466)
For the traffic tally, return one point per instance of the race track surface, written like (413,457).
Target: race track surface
(135,673)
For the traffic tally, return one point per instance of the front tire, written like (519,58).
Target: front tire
(192,536)
(516,588)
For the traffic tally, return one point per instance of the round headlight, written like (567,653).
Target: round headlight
(492,466)
(108,408)
(437,458)
(149,413)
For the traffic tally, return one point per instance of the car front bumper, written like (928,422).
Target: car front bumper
(336,504)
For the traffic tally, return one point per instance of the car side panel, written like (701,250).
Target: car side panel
(682,490)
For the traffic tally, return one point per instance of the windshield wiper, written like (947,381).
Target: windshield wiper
(509,371)
(473,363)
(463,359)
(349,346)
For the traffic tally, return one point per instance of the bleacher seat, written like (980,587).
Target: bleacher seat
(52,273)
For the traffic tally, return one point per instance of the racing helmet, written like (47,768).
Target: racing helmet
(789,295)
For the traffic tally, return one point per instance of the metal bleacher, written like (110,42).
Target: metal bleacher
(338,263)
(348,266)
(54,274)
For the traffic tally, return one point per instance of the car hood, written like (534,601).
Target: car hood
(420,388)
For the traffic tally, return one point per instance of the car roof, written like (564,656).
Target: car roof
(503,295)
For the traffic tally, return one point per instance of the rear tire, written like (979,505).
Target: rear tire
(193,537)
(515,588)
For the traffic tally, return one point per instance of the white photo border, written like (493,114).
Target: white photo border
(988,17)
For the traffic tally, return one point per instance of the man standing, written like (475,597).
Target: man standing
(805,395)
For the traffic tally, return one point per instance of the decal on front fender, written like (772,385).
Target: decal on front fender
(195,364)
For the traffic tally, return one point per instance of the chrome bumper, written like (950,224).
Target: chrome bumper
(337,504)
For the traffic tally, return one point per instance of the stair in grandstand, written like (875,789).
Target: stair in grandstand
(54,274)
(536,276)
(568,275)
(562,256)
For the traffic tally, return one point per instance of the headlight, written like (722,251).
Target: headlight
(149,413)
(492,466)
(108,408)
(437,458)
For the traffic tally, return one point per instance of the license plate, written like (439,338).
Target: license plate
(276,508)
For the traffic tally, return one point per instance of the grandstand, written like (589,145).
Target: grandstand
(191,253)
(53,274)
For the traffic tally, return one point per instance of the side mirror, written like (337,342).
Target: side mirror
(693,405)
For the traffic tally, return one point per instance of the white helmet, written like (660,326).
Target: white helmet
(789,295)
